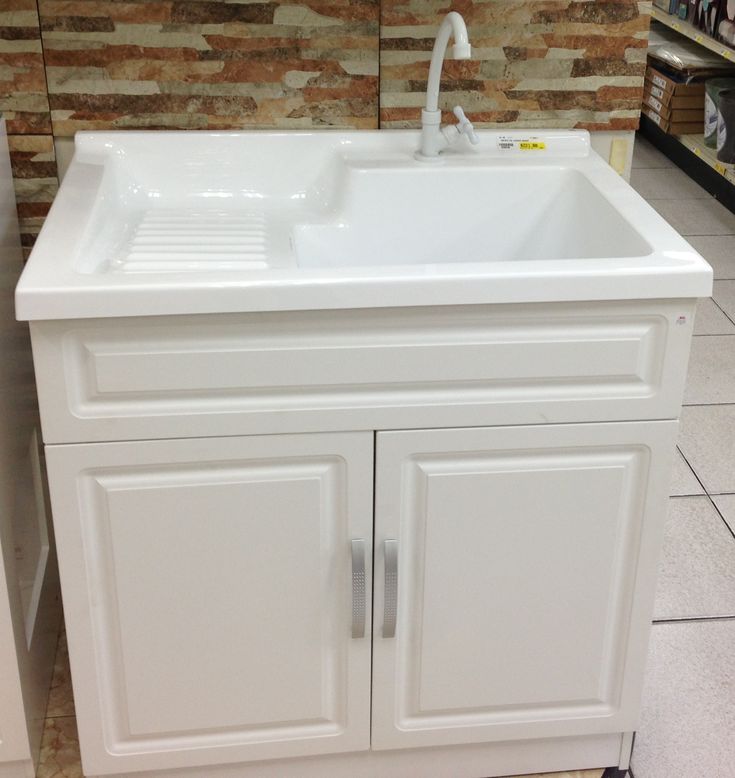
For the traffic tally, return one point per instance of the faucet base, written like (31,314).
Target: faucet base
(432,160)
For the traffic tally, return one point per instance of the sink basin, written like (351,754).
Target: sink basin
(421,215)
(171,223)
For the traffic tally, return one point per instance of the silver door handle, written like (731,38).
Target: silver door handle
(390,552)
(358,588)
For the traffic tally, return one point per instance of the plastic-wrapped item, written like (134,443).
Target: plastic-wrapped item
(726,27)
(726,126)
(704,15)
(687,56)
(713,88)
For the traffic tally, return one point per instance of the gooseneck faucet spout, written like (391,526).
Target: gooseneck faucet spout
(434,137)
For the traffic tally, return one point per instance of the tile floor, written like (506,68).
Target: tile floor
(688,723)
(687,728)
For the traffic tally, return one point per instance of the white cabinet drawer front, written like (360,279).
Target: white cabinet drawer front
(311,371)
(208,586)
(525,580)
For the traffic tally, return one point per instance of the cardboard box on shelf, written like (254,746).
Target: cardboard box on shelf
(672,100)
(674,114)
(669,127)
(672,86)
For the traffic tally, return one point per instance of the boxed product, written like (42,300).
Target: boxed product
(666,5)
(671,84)
(681,99)
(673,114)
(683,9)
(672,127)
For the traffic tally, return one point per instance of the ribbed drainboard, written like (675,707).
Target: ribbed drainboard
(171,241)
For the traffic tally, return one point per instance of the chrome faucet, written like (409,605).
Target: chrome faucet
(435,137)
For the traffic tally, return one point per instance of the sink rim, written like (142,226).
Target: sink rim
(53,289)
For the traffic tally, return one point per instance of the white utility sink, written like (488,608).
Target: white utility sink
(171,223)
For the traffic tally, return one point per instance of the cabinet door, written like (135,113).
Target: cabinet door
(525,562)
(208,589)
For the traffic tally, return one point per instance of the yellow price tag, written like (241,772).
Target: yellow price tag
(698,39)
(529,145)
(720,168)
(727,54)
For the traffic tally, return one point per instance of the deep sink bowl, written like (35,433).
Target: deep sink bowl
(151,223)
(426,215)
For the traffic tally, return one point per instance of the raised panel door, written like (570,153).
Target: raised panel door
(208,594)
(525,560)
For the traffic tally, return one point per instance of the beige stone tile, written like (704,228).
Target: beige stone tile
(688,719)
(697,568)
(60,750)
(61,697)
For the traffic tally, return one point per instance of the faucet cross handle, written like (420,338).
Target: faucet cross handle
(464,125)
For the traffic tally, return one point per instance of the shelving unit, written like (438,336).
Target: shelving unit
(695,144)
(691,32)
(704,167)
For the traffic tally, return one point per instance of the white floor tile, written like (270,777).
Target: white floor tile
(696,576)
(710,320)
(724,295)
(573,774)
(646,155)
(726,505)
(688,719)
(707,441)
(683,480)
(711,375)
(696,217)
(719,251)
(665,184)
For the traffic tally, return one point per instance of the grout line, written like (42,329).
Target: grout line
(724,520)
(706,405)
(693,619)
(722,309)
(694,472)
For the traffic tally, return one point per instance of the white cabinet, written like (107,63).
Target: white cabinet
(30,607)
(217,614)
(209,593)
(518,553)
(214,590)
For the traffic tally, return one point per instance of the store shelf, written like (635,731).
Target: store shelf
(698,161)
(691,32)
(695,144)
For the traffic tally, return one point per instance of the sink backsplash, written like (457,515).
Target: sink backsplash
(194,64)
